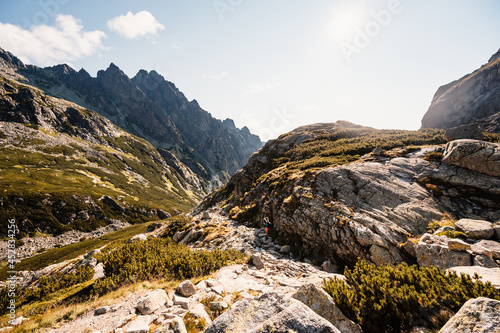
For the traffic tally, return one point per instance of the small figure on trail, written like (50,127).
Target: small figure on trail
(267,224)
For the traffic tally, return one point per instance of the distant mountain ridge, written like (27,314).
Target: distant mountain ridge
(473,99)
(154,109)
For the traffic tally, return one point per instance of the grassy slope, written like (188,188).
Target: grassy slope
(40,164)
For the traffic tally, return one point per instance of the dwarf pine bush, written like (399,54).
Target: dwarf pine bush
(159,258)
(394,299)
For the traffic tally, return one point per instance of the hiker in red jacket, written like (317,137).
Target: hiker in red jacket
(267,224)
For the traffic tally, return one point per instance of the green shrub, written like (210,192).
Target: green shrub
(158,258)
(491,137)
(453,234)
(176,224)
(433,156)
(394,299)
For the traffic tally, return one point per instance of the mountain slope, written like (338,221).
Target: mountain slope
(65,167)
(154,109)
(472,99)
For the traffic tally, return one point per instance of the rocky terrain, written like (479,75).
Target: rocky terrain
(152,108)
(472,101)
(367,209)
(272,291)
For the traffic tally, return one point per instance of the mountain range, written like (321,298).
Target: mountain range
(152,108)
(94,150)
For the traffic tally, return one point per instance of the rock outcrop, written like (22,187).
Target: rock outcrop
(479,315)
(474,155)
(472,99)
(367,209)
(270,312)
(322,303)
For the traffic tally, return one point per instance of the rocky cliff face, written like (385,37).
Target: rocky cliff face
(154,109)
(474,98)
(220,144)
(367,209)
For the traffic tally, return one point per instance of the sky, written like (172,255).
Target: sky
(270,65)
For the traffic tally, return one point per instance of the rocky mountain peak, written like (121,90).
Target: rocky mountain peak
(468,100)
(9,58)
(495,56)
(63,69)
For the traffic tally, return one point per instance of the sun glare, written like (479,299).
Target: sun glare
(345,21)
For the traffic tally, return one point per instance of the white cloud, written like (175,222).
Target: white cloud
(48,45)
(207,76)
(132,26)
(256,88)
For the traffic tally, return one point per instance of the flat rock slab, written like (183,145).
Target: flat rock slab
(478,315)
(476,229)
(139,325)
(234,282)
(486,274)
(180,300)
(441,256)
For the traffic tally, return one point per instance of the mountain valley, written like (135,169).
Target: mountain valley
(163,207)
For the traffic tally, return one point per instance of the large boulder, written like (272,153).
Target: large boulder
(474,155)
(186,288)
(175,325)
(198,311)
(270,312)
(138,238)
(492,246)
(441,256)
(323,304)
(192,236)
(476,229)
(477,315)
(152,302)
(257,261)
